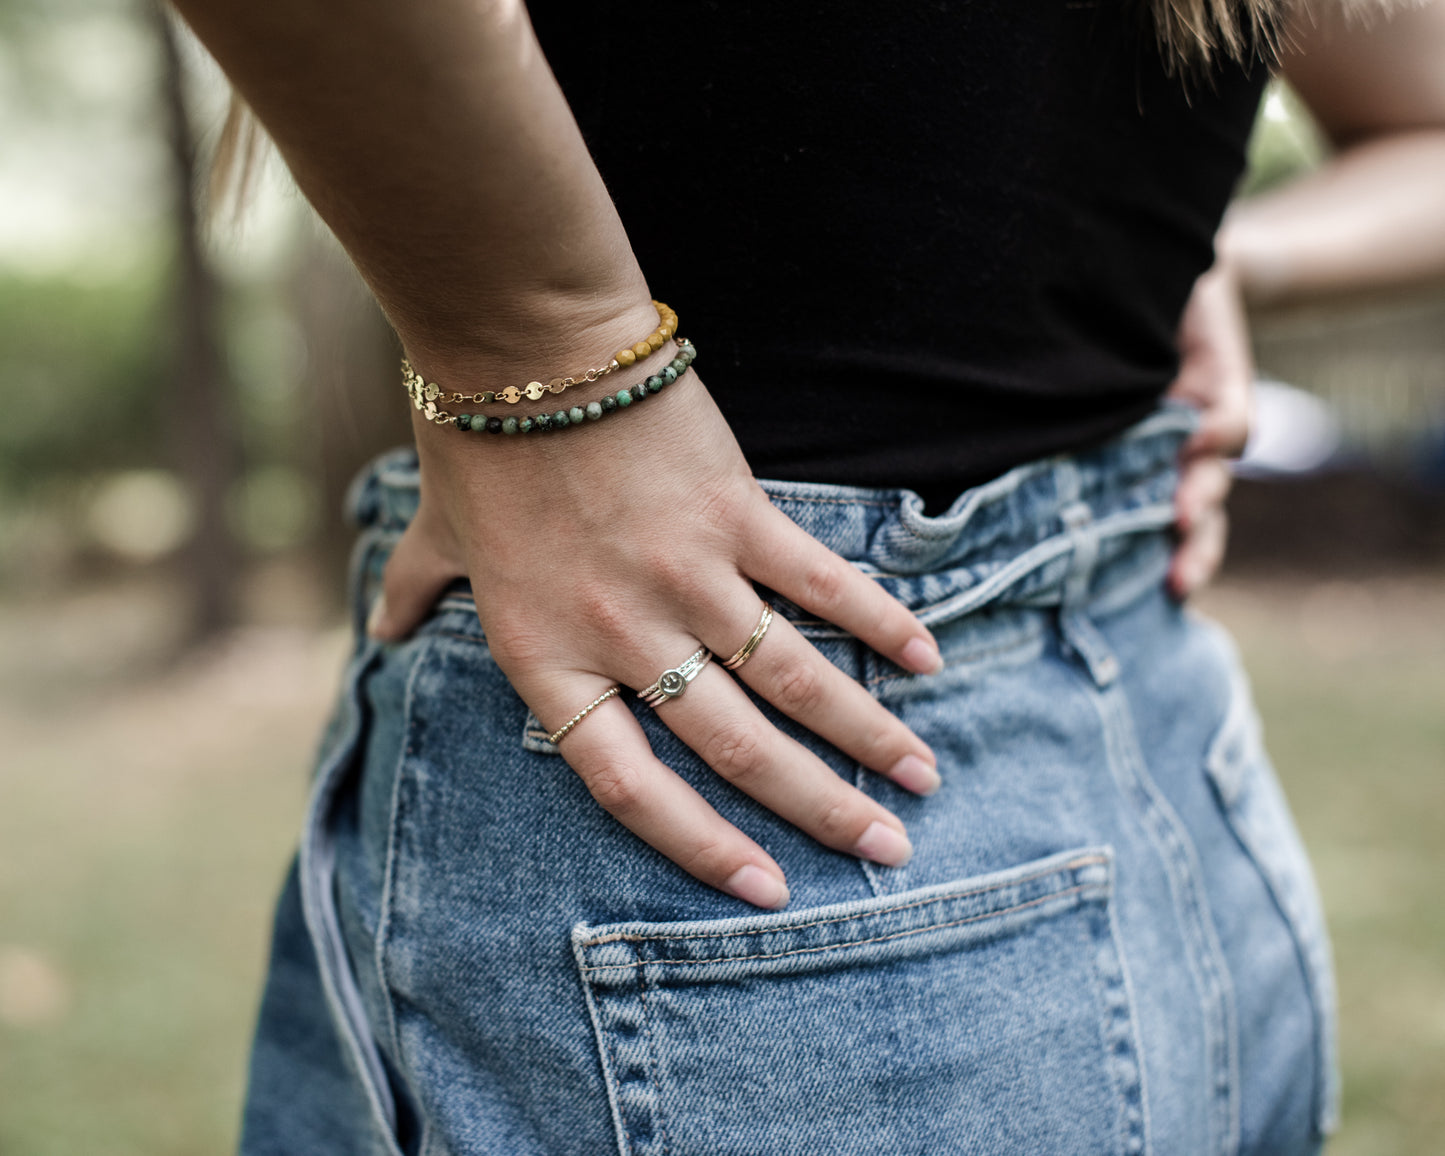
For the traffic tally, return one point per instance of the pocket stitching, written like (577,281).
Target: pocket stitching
(851,943)
(1070,865)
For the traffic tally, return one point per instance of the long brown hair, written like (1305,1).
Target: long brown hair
(1193,34)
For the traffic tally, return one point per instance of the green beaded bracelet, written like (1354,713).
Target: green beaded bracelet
(577,414)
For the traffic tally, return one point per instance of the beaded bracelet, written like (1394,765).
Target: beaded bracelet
(421,391)
(577,414)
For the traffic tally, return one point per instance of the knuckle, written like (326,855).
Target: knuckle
(605,615)
(616,786)
(837,824)
(681,576)
(705,859)
(798,689)
(516,647)
(737,754)
(825,585)
(884,744)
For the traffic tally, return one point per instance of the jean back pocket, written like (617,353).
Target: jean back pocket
(985,1015)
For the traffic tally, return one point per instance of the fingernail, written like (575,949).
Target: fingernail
(378,613)
(883,844)
(914,774)
(921,656)
(754,885)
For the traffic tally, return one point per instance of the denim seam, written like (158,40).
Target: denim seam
(1115,1001)
(972,657)
(654,1056)
(611,1067)
(1071,865)
(1182,871)
(383,932)
(791,500)
(1075,890)
(1127,979)
(318,855)
(1232,789)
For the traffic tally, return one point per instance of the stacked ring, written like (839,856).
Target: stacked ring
(557,735)
(671,683)
(745,651)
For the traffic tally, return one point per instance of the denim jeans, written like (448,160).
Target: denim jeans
(1107,941)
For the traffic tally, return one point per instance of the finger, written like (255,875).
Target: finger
(791,674)
(609,752)
(414,578)
(785,558)
(1199,555)
(1224,419)
(719,722)
(1203,485)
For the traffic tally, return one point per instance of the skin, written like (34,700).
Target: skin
(434,141)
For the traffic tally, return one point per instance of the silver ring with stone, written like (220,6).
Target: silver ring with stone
(672,682)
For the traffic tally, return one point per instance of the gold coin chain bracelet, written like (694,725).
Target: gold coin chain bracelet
(542,422)
(533,390)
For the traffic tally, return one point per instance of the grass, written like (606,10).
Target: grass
(147,819)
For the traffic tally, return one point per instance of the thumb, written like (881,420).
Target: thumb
(415,576)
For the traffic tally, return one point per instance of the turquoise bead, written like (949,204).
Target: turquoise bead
(594,411)
(509,425)
(655,382)
(525,425)
(677,365)
(668,374)
(560,419)
(576,415)
(624,398)
(464,421)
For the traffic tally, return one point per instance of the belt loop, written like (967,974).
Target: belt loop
(1080,635)
(1078,520)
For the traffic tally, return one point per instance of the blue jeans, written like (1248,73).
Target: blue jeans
(1107,941)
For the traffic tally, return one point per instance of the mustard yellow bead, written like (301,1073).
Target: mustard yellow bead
(655,341)
(624,357)
(642,349)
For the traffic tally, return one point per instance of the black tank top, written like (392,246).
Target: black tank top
(916,244)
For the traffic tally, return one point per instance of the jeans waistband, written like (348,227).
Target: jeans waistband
(1075,525)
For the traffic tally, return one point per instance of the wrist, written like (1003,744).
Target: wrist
(537,338)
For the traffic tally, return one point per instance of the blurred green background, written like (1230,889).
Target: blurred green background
(183,406)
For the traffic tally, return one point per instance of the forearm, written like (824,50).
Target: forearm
(1373,217)
(434,141)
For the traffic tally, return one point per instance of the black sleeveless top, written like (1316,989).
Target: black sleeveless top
(916,244)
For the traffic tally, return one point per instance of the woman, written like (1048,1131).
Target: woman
(942,326)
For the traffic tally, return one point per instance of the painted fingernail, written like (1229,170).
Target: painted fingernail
(754,885)
(914,774)
(883,844)
(376,617)
(921,656)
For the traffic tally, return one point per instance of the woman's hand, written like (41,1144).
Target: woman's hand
(1216,373)
(609,554)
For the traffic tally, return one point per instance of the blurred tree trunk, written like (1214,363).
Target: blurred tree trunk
(206,449)
(352,370)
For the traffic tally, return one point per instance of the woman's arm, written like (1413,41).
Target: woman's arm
(1373,216)
(434,141)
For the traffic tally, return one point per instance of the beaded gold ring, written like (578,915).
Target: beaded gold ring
(533,390)
(561,732)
